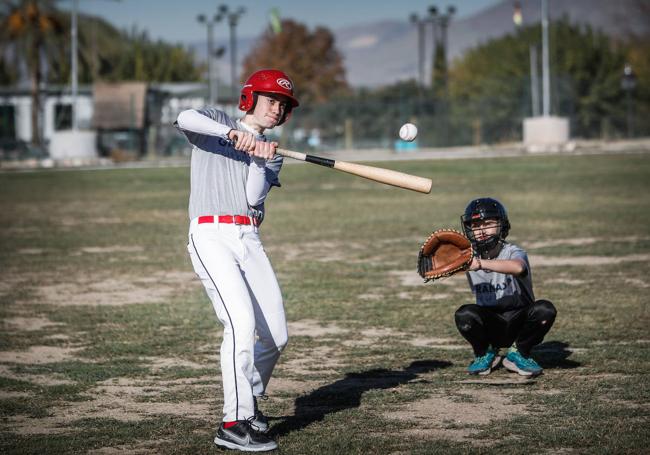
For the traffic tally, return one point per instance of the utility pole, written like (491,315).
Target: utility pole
(534,83)
(74,59)
(420,24)
(443,21)
(233,20)
(439,24)
(209,23)
(73,63)
(546,76)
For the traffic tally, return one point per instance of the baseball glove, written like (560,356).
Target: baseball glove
(445,253)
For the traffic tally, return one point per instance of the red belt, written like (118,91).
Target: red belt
(228,219)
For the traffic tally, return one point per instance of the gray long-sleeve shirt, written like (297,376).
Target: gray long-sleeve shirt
(219,173)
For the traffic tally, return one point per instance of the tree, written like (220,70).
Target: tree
(491,83)
(27,25)
(310,58)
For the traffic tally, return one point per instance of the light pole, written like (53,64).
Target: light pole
(546,76)
(73,63)
(628,84)
(209,23)
(440,23)
(233,20)
(74,78)
(420,24)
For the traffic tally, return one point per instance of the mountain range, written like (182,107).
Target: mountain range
(381,53)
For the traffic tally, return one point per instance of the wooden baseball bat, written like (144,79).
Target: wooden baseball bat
(387,176)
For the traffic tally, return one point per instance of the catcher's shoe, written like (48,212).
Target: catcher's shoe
(517,363)
(259,422)
(484,364)
(242,436)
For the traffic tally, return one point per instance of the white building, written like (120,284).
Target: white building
(16,112)
(164,101)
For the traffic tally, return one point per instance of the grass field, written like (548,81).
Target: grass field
(109,345)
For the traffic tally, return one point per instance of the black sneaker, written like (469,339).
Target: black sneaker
(242,436)
(259,421)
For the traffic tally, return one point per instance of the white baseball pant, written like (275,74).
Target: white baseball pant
(238,277)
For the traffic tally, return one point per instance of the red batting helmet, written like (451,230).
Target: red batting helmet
(268,81)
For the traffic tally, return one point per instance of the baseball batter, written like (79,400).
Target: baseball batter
(233,167)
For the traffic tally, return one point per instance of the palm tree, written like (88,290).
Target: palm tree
(26,25)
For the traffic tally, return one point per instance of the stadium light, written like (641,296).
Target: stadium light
(209,23)
(233,19)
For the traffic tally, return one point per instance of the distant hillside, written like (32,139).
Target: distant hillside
(385,52)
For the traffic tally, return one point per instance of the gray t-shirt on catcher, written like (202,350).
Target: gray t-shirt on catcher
(219,172)
(502,291)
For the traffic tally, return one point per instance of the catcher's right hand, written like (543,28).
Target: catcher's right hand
(444,253)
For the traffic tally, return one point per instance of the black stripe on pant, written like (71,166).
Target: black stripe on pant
(483,326)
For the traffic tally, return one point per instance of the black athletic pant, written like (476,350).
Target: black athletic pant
(483,326)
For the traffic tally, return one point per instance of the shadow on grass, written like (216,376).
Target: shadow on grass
(554,354)
(346,393)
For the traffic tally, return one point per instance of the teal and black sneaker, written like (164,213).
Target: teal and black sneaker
(516,362)
(484,364)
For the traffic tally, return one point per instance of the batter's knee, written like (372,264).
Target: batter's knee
(465,317)
(544,311)
(282,340)
(276,338)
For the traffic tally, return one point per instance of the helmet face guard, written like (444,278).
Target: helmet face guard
(268,81)
(485,209)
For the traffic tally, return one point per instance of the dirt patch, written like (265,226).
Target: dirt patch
(110,249)
(116,291)
(320,251)
(320,360)
(514,380)
(375,333)
(437,343)
(31,251)
(620,343)
(560,261)
(162,363)
(50,379)
(291,386)
(141,449)
(68,221)
(119,407)
(580,241)
(409,278)
(370,297)
(569,281)
(123,400)
(444,417)
(637,283)
(39,355)
(313,328)
(27,324)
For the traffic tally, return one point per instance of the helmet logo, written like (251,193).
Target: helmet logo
(284,83)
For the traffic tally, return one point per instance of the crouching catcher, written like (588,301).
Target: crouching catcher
(506,314)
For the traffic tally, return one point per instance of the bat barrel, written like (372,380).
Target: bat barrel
(387,176)
(378,174)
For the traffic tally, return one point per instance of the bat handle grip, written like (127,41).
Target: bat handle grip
(291,154)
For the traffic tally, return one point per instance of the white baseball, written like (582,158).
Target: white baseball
(408,132)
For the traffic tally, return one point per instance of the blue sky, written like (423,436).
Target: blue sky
(175,21)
